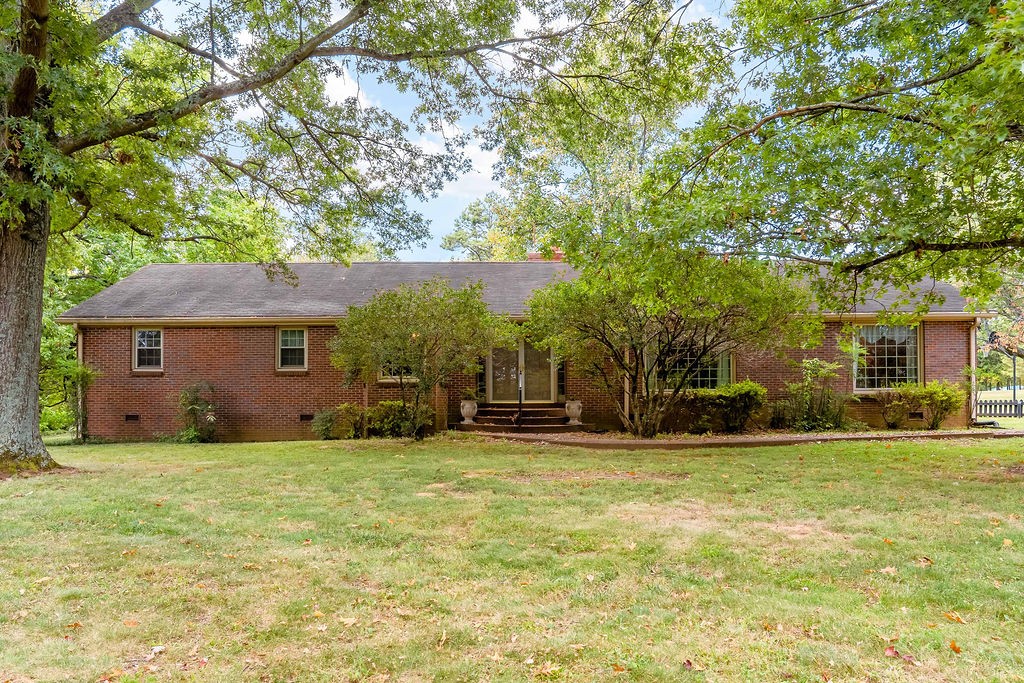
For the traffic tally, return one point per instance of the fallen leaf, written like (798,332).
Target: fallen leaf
(887,540)
(45,579)
(1007,543)
(74,624)
(158,650)
(348,621)
(130,623)
(891,651)
(925,561)
(129,553)
(954,647)
(618,668)
(891,571)
(954,617)
(688,665)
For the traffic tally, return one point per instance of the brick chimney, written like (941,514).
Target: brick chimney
(556,255)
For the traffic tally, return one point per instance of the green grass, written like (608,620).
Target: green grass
(459,560)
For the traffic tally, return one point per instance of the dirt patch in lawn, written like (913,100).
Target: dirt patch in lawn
(698,517)
(37,473)
(576,476)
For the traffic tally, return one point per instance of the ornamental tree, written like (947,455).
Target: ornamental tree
(417,336)
(112,117)
(644,333)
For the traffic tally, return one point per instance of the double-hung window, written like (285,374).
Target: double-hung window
(397,372)
(711,373)
(291,349)
(885,355)
(148,353)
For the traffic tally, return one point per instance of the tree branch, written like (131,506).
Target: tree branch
(940,247)
(181,43)
(213,92)
(119,17)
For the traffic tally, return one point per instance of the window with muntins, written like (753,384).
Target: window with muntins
(394,371)
(886,355)
(709,374)
(149,350)
(291,349)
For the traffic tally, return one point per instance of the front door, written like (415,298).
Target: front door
(539,375)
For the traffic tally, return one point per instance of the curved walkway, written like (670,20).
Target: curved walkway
(582,440)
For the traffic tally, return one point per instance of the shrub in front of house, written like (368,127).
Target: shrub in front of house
(937,400)
(727,409)
(396,419)
(323,424)
(196,412)
(349,421)
(813,404)
(343,422)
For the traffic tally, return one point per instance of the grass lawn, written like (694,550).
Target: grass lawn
(459,560)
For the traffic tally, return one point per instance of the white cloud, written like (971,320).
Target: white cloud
(340,87)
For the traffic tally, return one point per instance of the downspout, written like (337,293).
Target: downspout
(974,369)
(79,393)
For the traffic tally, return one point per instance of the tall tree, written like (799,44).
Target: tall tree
(881,139)
(113,116)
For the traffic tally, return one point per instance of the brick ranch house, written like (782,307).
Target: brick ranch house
(262,345)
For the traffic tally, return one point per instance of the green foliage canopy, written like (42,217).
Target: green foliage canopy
(418,336)
(643,334)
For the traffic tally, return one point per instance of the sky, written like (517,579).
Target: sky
(445,208)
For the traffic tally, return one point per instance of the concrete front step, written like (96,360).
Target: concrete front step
(527,419)
(527,408)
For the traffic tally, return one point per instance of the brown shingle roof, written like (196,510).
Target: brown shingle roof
(239,291)
(204,291)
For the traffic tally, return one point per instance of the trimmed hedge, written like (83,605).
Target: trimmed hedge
(728,408)
(937,400)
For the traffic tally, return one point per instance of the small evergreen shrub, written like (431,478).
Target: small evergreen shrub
(324,424)
(396,419)
(813,404)
(196,412)
(895,406)
(349,421)
(937,400)
(729,406)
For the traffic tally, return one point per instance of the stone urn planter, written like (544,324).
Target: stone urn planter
(573,410)
(468,409)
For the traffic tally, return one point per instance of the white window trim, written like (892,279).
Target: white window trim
(395,379)
(919,328)
(135,350)
(732,370)
(305,350)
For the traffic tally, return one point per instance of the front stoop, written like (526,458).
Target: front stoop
(536,419)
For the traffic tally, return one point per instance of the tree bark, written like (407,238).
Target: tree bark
(22,264)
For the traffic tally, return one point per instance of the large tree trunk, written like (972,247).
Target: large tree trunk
(22,264)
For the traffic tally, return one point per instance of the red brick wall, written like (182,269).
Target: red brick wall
(943,347)
(257,402)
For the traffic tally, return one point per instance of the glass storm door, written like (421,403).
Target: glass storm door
(504,375)
(538,375)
